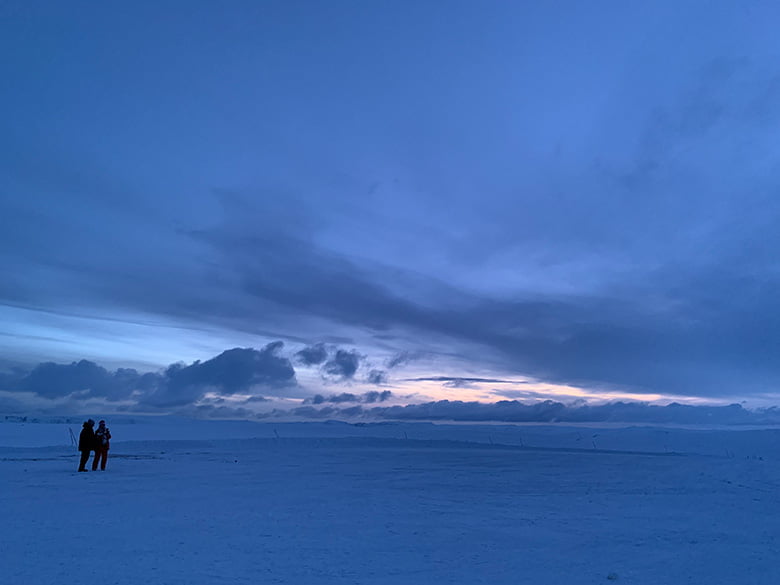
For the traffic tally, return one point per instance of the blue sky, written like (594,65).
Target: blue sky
(575,199)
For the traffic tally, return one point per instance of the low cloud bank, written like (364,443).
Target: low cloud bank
(238,383)
(235,371)
(367,397)
(513,411)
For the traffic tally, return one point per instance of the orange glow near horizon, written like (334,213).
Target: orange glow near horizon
(525,391)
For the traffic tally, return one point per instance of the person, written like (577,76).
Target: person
(102,443)
(86,443)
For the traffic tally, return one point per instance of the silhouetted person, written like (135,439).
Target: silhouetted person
(102,443)
(86,443)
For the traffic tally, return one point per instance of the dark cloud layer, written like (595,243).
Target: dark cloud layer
(544,412)
(53,380)
(676,329)
(233,371)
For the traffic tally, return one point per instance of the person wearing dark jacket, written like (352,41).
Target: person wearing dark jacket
(102,443)
(86,443)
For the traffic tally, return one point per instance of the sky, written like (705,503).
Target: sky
(276,204)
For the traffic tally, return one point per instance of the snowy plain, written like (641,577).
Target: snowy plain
(329,502)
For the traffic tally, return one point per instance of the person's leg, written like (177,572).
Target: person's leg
(95,460)
(84,459)
(103,459)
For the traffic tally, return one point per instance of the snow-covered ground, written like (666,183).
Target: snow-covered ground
(307,504)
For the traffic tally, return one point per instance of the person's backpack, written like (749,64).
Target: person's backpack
(101,437)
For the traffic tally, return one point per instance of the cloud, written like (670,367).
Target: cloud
(375,396)
(531,394)
(343,397)
(233,371)
(206,410)
(550,411)
(583,340)
(661,277)
(54,380)
(680,328)
(512,411)
(368,397)
(312,355)
(217,411)
(307,412)
(12,378)
(256,398)
(460,382)
(343,364)
(377,377)
(401,358)
(11,404)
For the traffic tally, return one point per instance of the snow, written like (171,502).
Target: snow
(242,502)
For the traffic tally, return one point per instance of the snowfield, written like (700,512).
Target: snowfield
(186,502)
